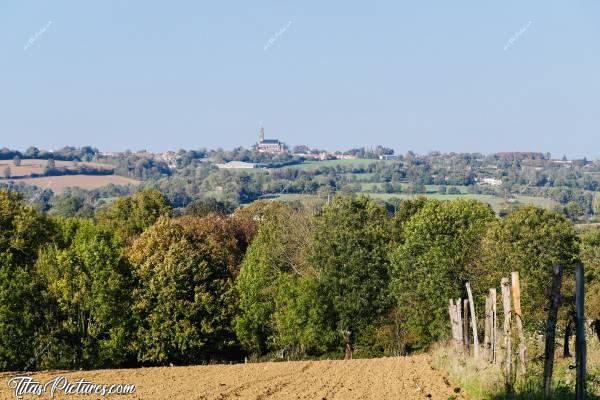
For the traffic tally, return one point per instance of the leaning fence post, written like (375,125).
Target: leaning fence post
(516,296)
(580,346)
(551,329)
(507,329)
(474,322)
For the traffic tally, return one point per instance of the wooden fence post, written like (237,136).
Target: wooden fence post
(494,332)
(452,322)
(459,325)
(507,328)
(580,346)
(474,322)
(487,339)
(551,329)
(516,296)
(466,339)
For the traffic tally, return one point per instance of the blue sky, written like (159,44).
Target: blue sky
(421,76)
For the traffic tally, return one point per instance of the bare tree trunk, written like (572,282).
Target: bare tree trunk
(474,322)
(506,304)
(551,329)
(580,346)
(466,339)
(494,331)
(516,295)
(347,334)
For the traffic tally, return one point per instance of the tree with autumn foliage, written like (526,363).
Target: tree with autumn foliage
(184,299)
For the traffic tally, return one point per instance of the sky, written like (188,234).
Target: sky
(462,76)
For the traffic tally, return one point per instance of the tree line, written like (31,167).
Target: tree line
(192,174)
(139,283)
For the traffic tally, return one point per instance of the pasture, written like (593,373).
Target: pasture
(314,164)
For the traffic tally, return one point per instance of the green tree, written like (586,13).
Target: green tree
(349,253)
(50,165)
(17,160)
(89,281)
(185,299)
(441,244)
(22,233)
(7,172)
(129,216)
(209,205)
(279,249)
(530,240)
(19,314)
(572,210)
(300,320)
(416,188)
(71,205)
(404,212)
(590,256)
(22,230)
(453,190)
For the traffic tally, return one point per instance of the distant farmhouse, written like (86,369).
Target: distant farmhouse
(272,146)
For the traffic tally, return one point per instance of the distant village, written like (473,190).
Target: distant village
(275,147)
(269,146)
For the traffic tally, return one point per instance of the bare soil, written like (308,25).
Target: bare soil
(59,183)
(36,166)
(384,378)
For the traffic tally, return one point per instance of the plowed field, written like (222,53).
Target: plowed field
(380,379)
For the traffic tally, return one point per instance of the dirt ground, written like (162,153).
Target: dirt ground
(380,379)
(35,166)
(59,183)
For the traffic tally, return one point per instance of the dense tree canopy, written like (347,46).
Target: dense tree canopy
(276,257)
(88,281)
(184,301)
(129,216)
(530,240)
(590,256)
(139,284)
(350,255)
(440,248)
(22,233)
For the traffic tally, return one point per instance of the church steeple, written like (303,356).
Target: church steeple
(261,134)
